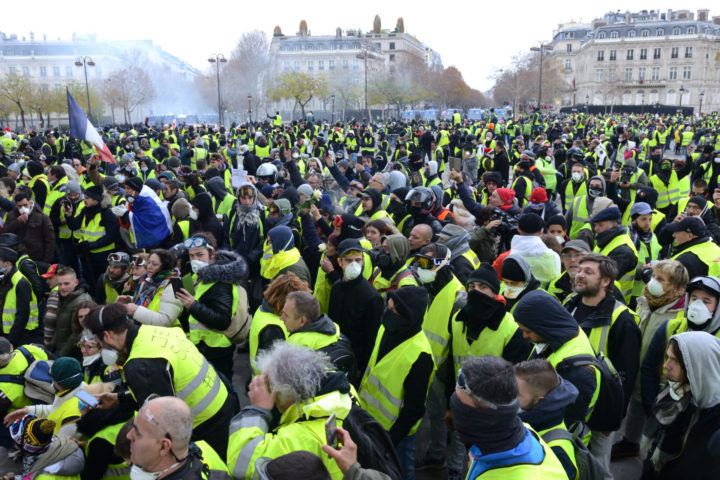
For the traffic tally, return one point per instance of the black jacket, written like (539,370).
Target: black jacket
(356,306)
(623,255)
(693,264)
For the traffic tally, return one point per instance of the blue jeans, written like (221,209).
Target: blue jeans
(406,453)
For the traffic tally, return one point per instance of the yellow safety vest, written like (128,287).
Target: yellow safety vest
(436,322)
(92,231)
(565,444)
(644,257)
(64,231)
(668,194)
(194,379)
(489,342)
(628,279)
(115,471)
(580,217)
(570,195)
(382,393)
(198,331)
(708,253)
(54,194)
(471,257)
(16,367)
(314,340)
(10,306)
(260,320)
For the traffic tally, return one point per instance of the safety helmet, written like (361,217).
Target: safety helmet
(267,172)
(119,259)
(575,153)
(709,284)
(422,195)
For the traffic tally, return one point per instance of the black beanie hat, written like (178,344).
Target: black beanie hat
(511,270)
(557,220)
(699,200)
(486,275)
(410,302)
(95,192)
(530,223)
(134,183)
(34,168)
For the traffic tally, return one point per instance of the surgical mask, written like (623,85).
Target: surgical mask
(353,271)
(595,192)
(716,160)
(577,177)
(655,288)
(295,155)
(193,214)
(144,169)
(197,265)
(426,276)
(698,313)
(109,356)
(25,210)
(120,178)
(137,473)
(3,270)
(561,240)
(87,361)
(540,347)
(513,292)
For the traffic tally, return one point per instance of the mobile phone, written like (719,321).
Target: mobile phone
(331,431)
(86,398)
(456,163)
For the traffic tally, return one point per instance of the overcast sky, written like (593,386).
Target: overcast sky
(477,37)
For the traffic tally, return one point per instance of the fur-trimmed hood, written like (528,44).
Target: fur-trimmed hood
(229,267)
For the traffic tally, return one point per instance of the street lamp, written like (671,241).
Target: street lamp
(364,55)
(544,47)
(332,115)
(86,62)
(682,92)
(217,59)
(250,107)
(702,96)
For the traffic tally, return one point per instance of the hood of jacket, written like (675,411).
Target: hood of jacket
(556,326)
(181,208)
(322,325)
(375,197)
(399,247)
(607,236)
(701,353)
(522,263)
(528,246)
(281,238)
(228,267)
(203,202)
(216,186)
(64,451)
(550,410)
(602,180)
(457,244)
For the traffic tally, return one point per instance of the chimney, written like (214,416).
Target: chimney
(702,14)
(627,17)
(669,15)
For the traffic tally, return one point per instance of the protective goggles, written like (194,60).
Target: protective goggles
(427,263)
(197,242)
(273,209)
(118,259)
(462,385)
(138,261)
(246,192)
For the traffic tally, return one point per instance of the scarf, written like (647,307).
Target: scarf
(490,430)
(116,283)
(666,298)
(271,265)
(247,215)
(148,286)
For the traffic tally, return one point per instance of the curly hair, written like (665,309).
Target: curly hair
(280,287)
(294,372)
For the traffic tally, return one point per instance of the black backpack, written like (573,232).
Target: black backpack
(609,410)
(375,449)
(589,467)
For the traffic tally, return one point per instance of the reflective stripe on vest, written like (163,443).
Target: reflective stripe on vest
(580,217)
(10,306)
(628,278)
(437,318)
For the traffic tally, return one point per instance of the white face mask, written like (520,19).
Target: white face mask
(109,356)
(137,473)
(197,265)
(717,160)
(655,288)
(426,276)
(130,199)
(353,271)
(193,214)
(295,155)
(561,240)
(513,292)
(540,347)
(25,210)
(120,178)
(144,169)
(577,176)
(698,313)
(87,361)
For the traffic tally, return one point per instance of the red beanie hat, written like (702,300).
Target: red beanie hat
(538,195)
(507,195)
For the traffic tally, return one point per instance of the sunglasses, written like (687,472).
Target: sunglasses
(196,242)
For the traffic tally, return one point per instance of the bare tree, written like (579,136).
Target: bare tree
(135,89)
(243,74)
(17,89)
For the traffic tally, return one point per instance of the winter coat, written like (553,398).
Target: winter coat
(37,235)
(66,335)
(482,243)
(544,263)
(169,309)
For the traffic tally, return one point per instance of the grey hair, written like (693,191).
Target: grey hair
(294,371)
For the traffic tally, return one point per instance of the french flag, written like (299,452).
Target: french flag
(149,219)
(82,129)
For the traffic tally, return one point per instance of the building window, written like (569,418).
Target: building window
(659,32)
(321,64)
(676,31)
(43,71)
(627,97)
(640,97)
(346,64)
(641,74)
(68,71)
(643,54)
(656,53)
(392,57)
(670,97)
(331,64)
(392,45)
(12,70)
(598,75)
(645,33)
(601,35)
(611,74)
(674,52)
(568,48)
(568,65)
(686,73)
(286,66)
(356,64)
(613,34)
(628,74)
(631,34)
(296,65)
(601,55)
(310,65)
(688,52)
(56,71)
(630,54)
(613,55)
(673,73)
(691,30)
(26,71)
(655,74)
(654,97)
